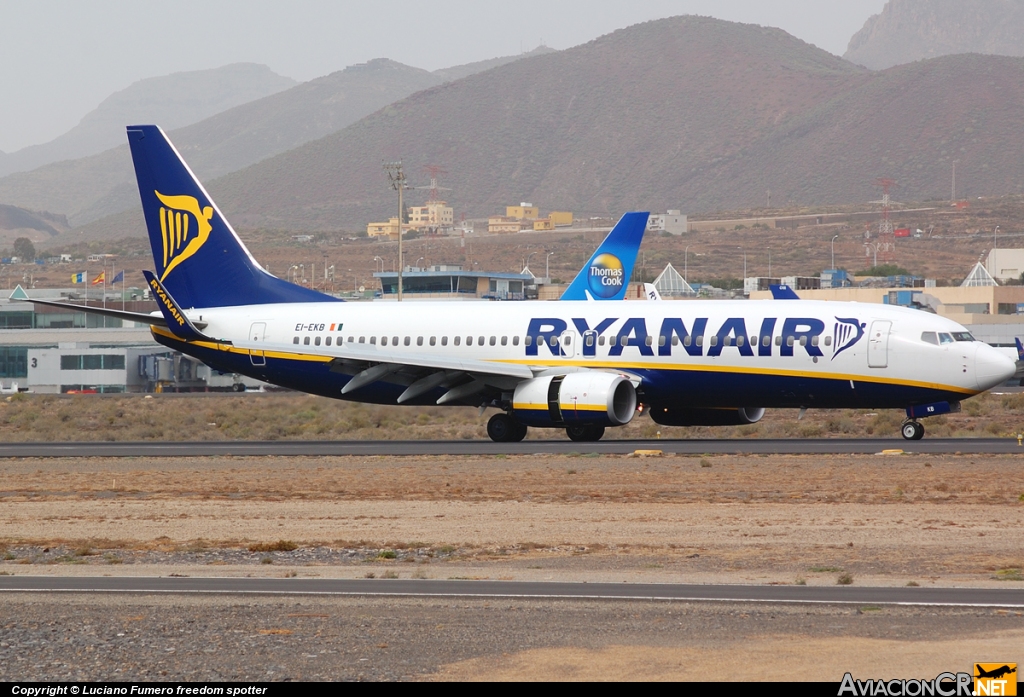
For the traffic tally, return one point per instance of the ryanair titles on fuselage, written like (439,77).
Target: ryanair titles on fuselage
(697,339)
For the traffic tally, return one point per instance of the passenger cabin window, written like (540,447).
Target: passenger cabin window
(433,341)
(714,340)
(741,340)
(458,340)
(373,340)
(419,341)
(494,341)
(567,340)
(766,340)
(469,341)
(305,341)
(814,340)
(362,340)
(600,340)
(383,341)
(394,341)
(480,341)
(295,340)
(778,340)
(828,341)
(316,341)
(515,340)
(444,341)
(789,341)
(588,340)
(504,341)
(327,341)
(649,340)
(408,341)
(528,341)
(700,340)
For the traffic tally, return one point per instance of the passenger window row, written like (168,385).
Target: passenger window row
(588,340)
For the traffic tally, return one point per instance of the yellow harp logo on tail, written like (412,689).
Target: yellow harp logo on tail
(180,239)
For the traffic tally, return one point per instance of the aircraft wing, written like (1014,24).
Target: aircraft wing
(368,363)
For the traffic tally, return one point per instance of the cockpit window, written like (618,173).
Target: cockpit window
(945,338)
(963,336)
(930,338)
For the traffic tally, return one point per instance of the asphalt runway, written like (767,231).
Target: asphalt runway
(786,446)
(949,597)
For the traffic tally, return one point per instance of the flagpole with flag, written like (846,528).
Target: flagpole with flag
(120,277)
(102,278)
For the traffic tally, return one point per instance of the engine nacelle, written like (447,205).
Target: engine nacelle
(677,416)
(587,397)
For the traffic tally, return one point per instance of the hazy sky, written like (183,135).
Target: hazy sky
(60,58)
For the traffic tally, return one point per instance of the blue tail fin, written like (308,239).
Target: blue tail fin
(780,291)
(606,275)
(199,258)
(1016,340)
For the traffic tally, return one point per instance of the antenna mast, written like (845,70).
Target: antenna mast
(396,177)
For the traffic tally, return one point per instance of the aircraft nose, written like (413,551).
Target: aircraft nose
(992,368)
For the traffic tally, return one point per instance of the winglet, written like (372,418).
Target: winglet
(781,291)
(20,294)
(177,322)
(606,274)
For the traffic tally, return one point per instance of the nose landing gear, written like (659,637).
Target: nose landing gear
(912,430)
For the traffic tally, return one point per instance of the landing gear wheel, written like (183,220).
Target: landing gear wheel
(912,430)
(502,428)
(584,434)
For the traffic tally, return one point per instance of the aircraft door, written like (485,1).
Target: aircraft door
(568,340)
(258,332)
(878,344)
(589,339)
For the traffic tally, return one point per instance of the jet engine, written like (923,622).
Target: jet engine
(677,416)
(586,398)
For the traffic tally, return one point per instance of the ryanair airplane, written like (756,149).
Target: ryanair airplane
(581,364)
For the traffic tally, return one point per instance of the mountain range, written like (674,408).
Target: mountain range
(686,112)
(909,30)
(174,100)
(90,188)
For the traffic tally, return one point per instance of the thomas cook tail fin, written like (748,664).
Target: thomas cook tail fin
(199,258)
(606,274)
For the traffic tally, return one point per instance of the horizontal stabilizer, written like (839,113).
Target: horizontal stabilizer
(142,317)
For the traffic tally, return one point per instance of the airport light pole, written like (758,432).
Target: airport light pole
(396,177)
(686,261)
(834,238)
(526,261)
(995,269)
(547,267)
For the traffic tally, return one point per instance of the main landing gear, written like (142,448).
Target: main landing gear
(502,428)
(912,430)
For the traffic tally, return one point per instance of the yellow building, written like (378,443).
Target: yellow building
(543,224)
(436,215)
(500,224)
(524,211)
(560,218)
(389,229)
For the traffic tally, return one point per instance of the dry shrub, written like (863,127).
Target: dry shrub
(279,546)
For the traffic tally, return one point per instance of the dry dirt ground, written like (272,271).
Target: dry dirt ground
(875,520)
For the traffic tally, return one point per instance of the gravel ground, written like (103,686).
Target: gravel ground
(76,637)
(929,520)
